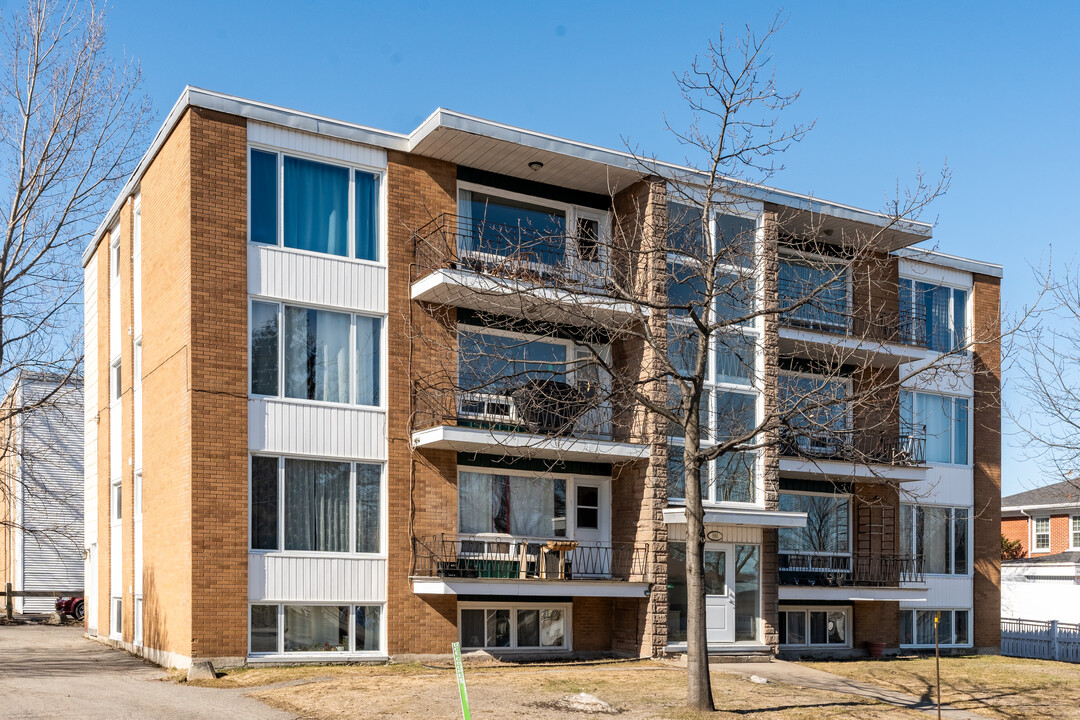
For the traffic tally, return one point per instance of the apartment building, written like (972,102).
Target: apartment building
(41,488)
(270,305)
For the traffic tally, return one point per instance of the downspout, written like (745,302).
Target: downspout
(1030,531)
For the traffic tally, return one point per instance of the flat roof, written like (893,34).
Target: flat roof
(433,138)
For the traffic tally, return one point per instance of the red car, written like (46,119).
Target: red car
(72,606)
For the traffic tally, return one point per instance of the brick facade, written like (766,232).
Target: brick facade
(1023,529)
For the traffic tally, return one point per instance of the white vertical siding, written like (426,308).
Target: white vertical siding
(287,578)
(295,276)
(287,139)
(51,441)
(944,592)
(331,431)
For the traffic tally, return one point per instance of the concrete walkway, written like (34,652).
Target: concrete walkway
(795,674)
(54,672)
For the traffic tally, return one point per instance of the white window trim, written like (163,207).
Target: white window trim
(116,488)
(331,656)
(1074,530)
(806,610)
(1035,534)
(353,357)
(116,618)
(571,480)
(968,309)
(568,626)
(380,172)
(952,426)
(382,554)
(914,627)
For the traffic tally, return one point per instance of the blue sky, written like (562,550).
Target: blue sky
(989,86)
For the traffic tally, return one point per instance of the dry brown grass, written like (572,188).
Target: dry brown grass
(640,690)
(990,685)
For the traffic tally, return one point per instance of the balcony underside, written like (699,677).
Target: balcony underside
(518,298)
(755,517)
(836,347)
(529,588)
(852,593)
(481,440)
(816,469)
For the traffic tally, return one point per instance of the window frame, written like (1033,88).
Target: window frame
(1074,532)
(849,497)
(951,535)
(382,554)
(968,307)
(353,354)
(969,422)
(116,617)
(915,632)
(849,283)
(805,610)
(1035,533)
(353,168)
(849,390)
(329,655)
(568,626)
(116,501)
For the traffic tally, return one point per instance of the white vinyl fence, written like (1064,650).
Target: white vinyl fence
(1040,639)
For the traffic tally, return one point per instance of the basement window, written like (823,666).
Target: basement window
(509,627)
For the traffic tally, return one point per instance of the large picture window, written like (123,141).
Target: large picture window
(521,505)
(939,535)
(938,313)
(945,420)
(515,627)
(310,354)
(303,629)
(917,627)
(316,505)
(814,626)
(827,530)
(315,206)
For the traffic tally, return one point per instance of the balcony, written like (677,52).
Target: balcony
(542,419)
(850,577)
(857,454)
(512,270)
(828,328)
(486,565)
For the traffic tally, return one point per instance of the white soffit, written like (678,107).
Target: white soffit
(758,517)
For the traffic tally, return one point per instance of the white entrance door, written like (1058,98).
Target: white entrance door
(719,593)
(593,556)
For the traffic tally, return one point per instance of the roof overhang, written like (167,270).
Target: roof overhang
(462,439)
(794,593)
(1020,510)
(755,517)
(820,345)
(529,588)
(807,469)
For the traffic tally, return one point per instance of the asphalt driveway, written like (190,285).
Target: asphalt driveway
(54,672)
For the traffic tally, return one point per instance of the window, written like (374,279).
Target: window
(511,505)
(938,314)
(275,629)
(116,500)
(939,535)
(588,507)
(1042,533)
(319,361)
(816,402)
(501,227)
(137,362)
(733,476)
(828,522)
(117,618)
(501,362)
(314,206)
(1075,528)
(944,419)
(818,288)
(917,627)
(814,626)
(520,627)
(316,505)
(747,588)
(138,635)
(747,592)
(114,254)
(115,378)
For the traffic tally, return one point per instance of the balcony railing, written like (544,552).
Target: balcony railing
(835,315)
(538,407)
(559,559)
(906,447)
(849,570)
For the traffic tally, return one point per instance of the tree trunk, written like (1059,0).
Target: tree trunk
(699,684)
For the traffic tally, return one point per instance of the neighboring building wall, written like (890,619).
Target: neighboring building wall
(1023,529)
(986,416)
(1017,529)
(422,488)
(1041,591)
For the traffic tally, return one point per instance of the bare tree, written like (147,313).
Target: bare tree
(73,121)
(673,319)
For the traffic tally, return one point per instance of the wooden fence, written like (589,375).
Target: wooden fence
(10,594)
(1040,639)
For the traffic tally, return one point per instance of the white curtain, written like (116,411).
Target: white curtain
(935,539)
(474,502)
(532,506)
(317,354)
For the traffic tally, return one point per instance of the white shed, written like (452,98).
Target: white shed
(1044,587)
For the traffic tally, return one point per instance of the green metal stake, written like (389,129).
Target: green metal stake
(465,714)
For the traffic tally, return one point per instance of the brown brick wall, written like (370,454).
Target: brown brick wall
(876,622)
(127,413)
(593,622)
(986,423)
(422,488)
(166,324)
(218,372)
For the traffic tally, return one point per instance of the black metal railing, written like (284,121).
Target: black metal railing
(538,407)
(825,310)
(476,556)
(849,570)
(550,254)
(905,447)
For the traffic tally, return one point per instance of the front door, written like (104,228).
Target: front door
(719,593)
(591,530)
